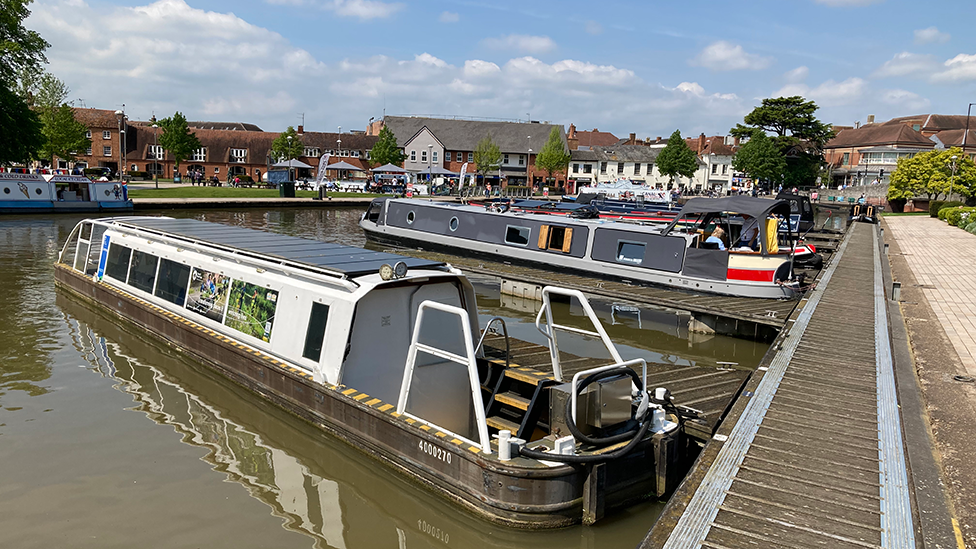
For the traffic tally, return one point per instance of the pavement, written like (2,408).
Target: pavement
(933,260)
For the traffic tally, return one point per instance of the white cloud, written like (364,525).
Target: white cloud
(829,93)
(930,35)
(594,28)
(959,68)
(848,3)
(521,43)
(905,100)
(242,72)
(725,56)
(796,75)
(362,9)
(449,17)
(907,64)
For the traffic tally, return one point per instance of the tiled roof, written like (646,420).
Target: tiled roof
(96,118)
(933,122)
(596,138)
(953,138)
(464,135)
(237,126)
(627,153)
(883,134)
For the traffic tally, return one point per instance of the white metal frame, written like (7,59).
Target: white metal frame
(468,360)
(551,327)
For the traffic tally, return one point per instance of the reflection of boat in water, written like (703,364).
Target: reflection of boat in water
(319,310)
(317,486)
(677,255)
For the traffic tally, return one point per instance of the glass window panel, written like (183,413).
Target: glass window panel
(173,280)
(118,262)
(315,335)
(142,271)
(630,252)
(517,235)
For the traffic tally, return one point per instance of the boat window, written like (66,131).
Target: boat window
(82,255)
(454,224)
(518,236)
(173,280)
(315,335)
(555,238)
(118,262)
(86,231)
(630,252)
(68,252)
(251,309)
(411,216)
(142,272)
(95,251)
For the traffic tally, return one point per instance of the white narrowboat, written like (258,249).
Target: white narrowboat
(384,352)
(676,254)
(36,193)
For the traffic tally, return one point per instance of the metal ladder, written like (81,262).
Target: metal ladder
(551,327)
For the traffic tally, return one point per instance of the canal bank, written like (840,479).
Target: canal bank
(813,453)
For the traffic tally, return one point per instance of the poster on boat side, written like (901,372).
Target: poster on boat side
(251,310)
(207,294)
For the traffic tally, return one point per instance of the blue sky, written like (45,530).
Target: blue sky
(647,67)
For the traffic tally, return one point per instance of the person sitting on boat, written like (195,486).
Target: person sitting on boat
(716,238)
(749,237)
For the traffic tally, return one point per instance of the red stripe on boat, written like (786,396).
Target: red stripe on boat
(751,275)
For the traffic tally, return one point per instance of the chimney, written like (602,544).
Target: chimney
(301,129)
(572,132)
(595,130)
(701,143)
(857,124)
(870,119)
(633,139)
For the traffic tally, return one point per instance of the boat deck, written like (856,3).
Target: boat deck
(812,454)
(708,390)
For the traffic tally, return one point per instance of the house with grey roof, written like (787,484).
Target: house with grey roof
(444,145)
(589,166)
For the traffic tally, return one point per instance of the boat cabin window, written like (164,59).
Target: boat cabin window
(86,231)
(315,335)
(630,252)
(142,272)
(173,280)
(518,236)
(95,250)
(68,254)
(118,262)
(555,238)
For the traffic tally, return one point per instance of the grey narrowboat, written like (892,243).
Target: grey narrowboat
(675,254)
(384,352)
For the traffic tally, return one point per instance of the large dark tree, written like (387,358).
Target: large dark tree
(20,128)
(797,134)
(677,158)
(760,158)
(20,50)
(386,151)
(177,138)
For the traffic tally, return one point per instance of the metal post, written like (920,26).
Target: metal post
(953,177)
(156,154)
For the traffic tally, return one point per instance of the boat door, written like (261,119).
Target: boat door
(555,238)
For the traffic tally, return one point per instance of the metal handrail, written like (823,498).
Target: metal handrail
(468,360)
(550,333)
(481,341)
(599,369)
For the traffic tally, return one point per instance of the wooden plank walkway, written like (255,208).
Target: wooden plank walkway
(812,455)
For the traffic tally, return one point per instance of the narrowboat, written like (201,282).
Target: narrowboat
(36,193)
(384,352)
(675,255)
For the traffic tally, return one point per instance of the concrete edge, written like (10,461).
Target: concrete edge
(933,519)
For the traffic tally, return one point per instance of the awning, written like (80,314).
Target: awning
(342,166)
(293,163)
(388,168)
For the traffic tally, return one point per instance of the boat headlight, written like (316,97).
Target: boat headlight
(386,272)
(400,269)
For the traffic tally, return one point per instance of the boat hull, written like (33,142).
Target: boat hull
(520,493)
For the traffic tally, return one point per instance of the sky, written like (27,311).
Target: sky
(647,67)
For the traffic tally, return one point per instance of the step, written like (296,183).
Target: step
(502,424)
(527,375)
(513,400)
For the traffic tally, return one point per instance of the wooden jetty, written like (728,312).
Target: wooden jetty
(811,455)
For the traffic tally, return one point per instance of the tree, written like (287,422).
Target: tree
(283,149)
(63,135)
(487,156)
(553,156)
(677,158)
(386,150)
(760,158)
(177,139)
(20,128)
(930,174)
(798,135)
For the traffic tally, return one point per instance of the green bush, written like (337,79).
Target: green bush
(936,206)
(956,216)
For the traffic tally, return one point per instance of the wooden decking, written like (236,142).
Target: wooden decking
(811,454)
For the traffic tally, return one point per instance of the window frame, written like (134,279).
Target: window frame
(629,260)
(528,235)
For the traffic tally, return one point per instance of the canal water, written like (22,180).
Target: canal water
(109,438)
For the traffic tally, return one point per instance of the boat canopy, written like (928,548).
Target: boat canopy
(759,208)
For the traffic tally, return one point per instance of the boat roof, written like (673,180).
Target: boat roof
(338,258)
(756,207)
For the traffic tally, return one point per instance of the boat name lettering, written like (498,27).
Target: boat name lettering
(435,452)
(433,531)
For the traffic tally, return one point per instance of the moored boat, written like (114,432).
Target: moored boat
(675,255)
(34,193)
(384,352)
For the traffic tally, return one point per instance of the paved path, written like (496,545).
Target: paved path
(942,258)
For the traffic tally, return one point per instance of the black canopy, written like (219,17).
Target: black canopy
(758,208)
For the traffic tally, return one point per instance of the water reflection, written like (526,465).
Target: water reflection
(318,486)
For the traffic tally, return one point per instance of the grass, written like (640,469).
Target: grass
(896,214)
(230,192)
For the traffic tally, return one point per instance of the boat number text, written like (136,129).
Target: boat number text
(435,452)
(433,531)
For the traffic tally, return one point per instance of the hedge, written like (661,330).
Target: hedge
(959,216)
(936,205)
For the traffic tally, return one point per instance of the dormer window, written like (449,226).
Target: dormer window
(238,155)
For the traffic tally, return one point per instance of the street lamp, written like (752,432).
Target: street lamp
(430,152)
(339,143)
(288,154)
(120,116)
(953,176)
(965,135)
(156,154)
(528,160)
